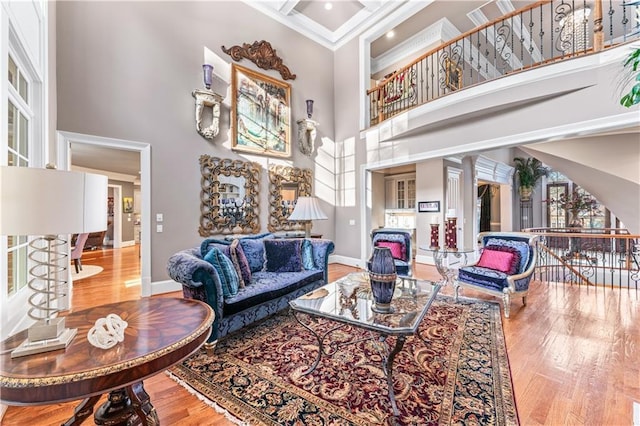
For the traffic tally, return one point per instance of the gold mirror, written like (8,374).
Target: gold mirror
(286,184)
(229,197)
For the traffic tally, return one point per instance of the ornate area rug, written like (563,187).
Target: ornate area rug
(456,373)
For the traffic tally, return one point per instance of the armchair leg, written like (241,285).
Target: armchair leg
(506,300)
(78,265)
(456,292)
(524,300)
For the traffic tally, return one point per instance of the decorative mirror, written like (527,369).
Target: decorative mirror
(286,184)
(229,197)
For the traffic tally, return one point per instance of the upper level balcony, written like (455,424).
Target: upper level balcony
(536,35)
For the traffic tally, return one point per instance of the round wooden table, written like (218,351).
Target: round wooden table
(161,333)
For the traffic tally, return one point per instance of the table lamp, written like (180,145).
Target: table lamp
(47,203)
(306,210)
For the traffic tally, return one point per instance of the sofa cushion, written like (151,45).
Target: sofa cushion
(241,263)
(307,255)
(283,255)
(267,286)
(226,271)
(483,277)
(503,259)
(521,246)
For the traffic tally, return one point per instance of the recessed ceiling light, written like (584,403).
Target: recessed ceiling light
(328,5)
(390,34)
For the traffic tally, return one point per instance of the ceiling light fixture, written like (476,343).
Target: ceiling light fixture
(390,34)
(328,5)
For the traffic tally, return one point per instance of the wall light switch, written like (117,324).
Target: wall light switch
(158,228)
(159,217)
(352,222)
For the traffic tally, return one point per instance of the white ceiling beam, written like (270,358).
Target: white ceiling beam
(286,6)
(371,5)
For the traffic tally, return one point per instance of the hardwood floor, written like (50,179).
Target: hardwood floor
(574,352)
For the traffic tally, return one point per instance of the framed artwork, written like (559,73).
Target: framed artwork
(127,204)
(453,75)
(429,207)
(260,113)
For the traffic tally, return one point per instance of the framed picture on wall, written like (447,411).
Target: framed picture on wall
(127,204)
(429,207)
(260,113)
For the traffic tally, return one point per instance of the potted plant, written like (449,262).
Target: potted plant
(529,171)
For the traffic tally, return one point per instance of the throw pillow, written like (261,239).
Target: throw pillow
(226,271)
(241,263)
(283,255)
(498,260)
(521,246)
(393,238)
(394,246)
(307,255)
(209,243)
(254,252)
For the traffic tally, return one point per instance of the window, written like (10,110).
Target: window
(19,116)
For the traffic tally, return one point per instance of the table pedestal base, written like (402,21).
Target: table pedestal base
(128,406)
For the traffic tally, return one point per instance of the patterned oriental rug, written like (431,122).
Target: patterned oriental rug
(457,373)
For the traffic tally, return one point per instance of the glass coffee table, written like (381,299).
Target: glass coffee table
(348,301)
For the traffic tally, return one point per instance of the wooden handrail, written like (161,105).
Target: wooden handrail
(567,265)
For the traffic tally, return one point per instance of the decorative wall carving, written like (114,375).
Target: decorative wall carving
(262,54)
(229,196)
(207,99)
(283,180)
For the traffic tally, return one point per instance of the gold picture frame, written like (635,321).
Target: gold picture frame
(453,75)
(260,113)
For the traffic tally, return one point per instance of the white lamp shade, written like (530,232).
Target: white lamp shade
(307,208)
(51,202)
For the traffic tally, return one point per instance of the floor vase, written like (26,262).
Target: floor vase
(382,276)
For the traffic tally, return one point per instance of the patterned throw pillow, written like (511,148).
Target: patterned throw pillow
(283,255)
(307,255)
(209,243)
(499,260)
(226,271)
(241,263)
(394,246)
(521,246)
(254,252)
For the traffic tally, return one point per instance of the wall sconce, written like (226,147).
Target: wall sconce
(206,98)
(307,131)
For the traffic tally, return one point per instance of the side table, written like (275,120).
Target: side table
(161,333)
(444,253)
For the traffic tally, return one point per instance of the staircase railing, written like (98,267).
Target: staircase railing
(586,256)
(529,37)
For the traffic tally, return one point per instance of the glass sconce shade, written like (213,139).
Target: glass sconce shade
(309,107)
(208,70)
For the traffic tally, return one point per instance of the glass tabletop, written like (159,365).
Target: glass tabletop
(349,300)
(463,250)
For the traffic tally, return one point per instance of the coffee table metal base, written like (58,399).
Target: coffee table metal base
(387,359)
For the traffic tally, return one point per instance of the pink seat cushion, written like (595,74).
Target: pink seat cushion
(498,261)
(395,247)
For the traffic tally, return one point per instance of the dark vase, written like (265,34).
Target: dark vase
(382,275)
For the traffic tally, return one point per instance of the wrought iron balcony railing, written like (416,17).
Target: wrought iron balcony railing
(535,35)
(587,256)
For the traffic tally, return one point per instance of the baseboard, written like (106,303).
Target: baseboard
(128,243)
(349,261)
(167,286)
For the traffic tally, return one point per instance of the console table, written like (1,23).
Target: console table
(161,333)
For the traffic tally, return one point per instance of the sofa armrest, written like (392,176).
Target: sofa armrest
(196,274)
(321,251)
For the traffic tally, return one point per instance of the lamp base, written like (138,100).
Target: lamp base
(46,329)
(29,347)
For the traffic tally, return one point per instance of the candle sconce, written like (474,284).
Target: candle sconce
(451,234)
(206,98)
(307,131)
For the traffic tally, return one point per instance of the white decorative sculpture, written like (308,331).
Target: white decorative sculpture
(107,332)
(307,135)
(206,98)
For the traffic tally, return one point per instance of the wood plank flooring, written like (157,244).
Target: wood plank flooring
(574,351)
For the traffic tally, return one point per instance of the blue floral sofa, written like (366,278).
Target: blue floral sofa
(249,278)
(505,267)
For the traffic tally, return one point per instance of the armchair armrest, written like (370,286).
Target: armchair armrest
(196,276)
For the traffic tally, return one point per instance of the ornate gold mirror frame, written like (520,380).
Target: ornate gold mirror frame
(229,196)
(286,184)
